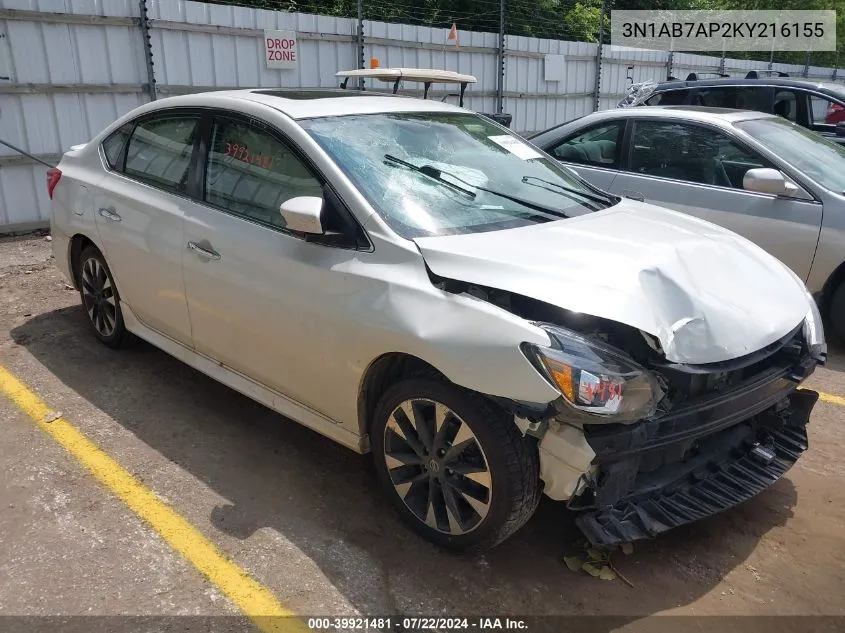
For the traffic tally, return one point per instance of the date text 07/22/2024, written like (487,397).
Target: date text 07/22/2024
(417,623)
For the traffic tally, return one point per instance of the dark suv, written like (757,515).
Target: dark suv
(818,106)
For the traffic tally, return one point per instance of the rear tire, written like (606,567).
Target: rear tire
(836,312)
(469,485)
(100,299)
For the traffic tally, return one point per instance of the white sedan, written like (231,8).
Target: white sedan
(412,279)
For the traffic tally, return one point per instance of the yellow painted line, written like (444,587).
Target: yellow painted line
(255,600)
(829,397)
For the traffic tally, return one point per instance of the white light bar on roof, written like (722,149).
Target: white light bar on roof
(424,75)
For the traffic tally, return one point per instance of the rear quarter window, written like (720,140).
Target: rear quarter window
(114,144)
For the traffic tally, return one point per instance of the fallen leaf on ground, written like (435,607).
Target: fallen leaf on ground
(575,563)
(598,570)
(596,562)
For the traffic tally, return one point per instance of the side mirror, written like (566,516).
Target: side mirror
(840,128)
(302,214)
(767,180)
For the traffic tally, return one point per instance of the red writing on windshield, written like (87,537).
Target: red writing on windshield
(242,153)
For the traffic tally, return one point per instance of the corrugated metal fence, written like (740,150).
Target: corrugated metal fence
(70,67)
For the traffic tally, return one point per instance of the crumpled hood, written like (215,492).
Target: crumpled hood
(706,293)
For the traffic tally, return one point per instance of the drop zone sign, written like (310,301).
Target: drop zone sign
(280,49)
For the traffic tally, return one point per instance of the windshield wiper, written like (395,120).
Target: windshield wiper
(528,180)
(437,174)
(432,172)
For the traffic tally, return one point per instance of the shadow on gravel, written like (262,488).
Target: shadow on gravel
(325,500)
(835,356)
(835,348)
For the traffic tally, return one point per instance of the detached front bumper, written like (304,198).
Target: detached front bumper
(697,461)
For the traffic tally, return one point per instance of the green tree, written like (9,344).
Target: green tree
(576,20)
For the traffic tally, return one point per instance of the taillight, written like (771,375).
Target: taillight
(54,174)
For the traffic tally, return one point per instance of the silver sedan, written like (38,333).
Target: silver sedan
(772,181)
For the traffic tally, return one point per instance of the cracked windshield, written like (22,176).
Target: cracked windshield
(443,173)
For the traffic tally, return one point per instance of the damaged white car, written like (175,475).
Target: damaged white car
(412,279)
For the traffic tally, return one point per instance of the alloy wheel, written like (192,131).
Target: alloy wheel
(98,296)
(437,466)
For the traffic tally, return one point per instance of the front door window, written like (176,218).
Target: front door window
(250,172)
(690,153)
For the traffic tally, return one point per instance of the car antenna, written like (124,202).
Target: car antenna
(27,154)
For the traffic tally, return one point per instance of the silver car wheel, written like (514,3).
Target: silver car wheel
(437,466)
(98,297)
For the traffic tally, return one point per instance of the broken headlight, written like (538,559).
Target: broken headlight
(814,332)
(595,378)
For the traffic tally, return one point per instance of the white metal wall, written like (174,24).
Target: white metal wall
(621,66)
(71,75)
(234,56)
(537,104)
(56,57)
(409,46)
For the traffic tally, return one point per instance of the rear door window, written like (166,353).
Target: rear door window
(598,146)
(786,105)
(669,97)
(160,149)
(738,97)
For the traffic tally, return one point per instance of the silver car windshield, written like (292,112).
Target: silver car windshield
(442,173)
(810,153)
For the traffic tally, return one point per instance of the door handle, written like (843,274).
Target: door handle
(203,252)
(109,214)
(633,195)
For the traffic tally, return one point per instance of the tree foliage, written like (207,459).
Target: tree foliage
(576,20)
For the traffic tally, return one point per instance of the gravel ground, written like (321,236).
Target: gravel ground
(305,517)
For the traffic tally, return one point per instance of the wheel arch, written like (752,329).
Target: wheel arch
(78,243)
(384,372)
(393,367)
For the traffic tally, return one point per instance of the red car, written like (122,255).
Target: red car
(835,114)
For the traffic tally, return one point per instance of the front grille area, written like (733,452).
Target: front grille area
(686,384)
(703,454)
(735,473)
(757,383)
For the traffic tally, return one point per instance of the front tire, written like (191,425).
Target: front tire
(455,467)
(100,299)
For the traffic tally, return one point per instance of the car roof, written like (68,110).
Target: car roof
(691,113)
(305,104)
(699,114)
(827,87)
